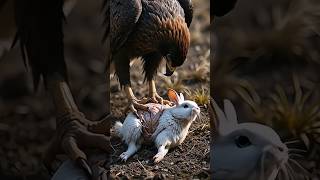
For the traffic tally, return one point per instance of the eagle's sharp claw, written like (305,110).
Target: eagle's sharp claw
(72,134)
(138,105)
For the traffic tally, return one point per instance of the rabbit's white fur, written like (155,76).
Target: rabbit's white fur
(171,131)
(258,156)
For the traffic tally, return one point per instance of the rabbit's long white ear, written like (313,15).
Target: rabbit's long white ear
(174,97)
(181,98)
(230,112)
(223,124)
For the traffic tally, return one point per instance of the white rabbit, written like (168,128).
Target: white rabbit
(245,151)
(170,130)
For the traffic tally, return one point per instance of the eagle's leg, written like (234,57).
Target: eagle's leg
(73,129)
(135,103)
(40,34)
(154,96)
(151,64)
(122,70)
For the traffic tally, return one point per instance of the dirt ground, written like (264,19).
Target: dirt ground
(191,159)
(27,119)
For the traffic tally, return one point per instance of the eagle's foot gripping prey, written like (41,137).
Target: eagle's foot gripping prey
(74,131)
(135,103)
(154,96)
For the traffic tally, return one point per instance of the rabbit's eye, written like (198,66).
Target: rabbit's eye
(242,141)
(185,106)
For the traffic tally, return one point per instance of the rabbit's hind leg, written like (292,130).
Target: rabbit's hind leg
(132,135)
(132,148)
(163,143)
(162,151)
(132,129)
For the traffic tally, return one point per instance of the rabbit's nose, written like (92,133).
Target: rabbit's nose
(282,149)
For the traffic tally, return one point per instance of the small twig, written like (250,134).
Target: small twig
(141,165)
(190,149)
(205,125)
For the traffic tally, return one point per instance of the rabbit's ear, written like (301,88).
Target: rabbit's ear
(230,112)
(173,96)
(224,126)
(181,98)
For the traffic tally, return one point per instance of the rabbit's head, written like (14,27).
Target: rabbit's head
(244,150)
(184,109)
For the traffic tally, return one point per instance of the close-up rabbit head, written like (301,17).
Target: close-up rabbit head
(184,109)
(249,151)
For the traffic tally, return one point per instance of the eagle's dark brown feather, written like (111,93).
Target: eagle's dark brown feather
(125,15)
(40,34)
(150,30)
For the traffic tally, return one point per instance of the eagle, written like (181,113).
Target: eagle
(150,30)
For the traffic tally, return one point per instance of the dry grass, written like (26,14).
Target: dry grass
(200,96)
(298,114)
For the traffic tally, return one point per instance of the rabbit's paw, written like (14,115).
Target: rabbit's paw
(124,156)
(158,157)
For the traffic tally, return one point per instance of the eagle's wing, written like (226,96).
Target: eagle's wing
(188,10)
(123,18)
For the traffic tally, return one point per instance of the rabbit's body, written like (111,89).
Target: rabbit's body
(245,151)
(171,129)
(147,121)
